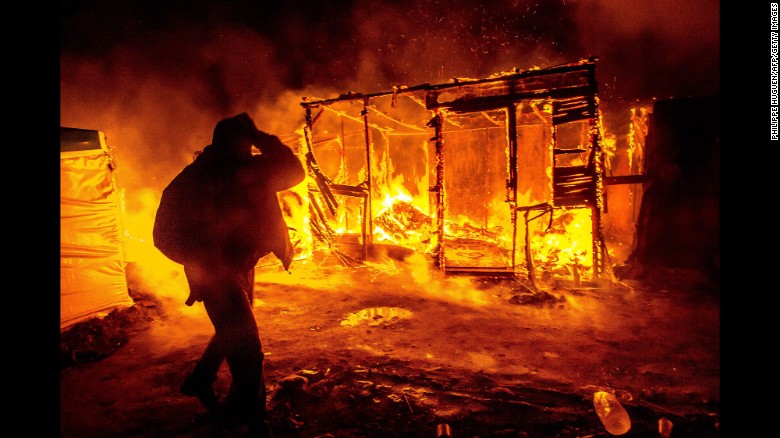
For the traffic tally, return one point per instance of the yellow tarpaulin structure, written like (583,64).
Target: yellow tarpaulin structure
(92,263)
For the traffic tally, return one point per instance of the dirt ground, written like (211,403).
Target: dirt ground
(394,349)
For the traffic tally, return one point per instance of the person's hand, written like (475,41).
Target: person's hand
(247,124)
(261,139)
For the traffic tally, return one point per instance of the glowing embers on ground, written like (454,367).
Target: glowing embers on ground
(374,316)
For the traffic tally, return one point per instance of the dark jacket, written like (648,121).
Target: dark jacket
(225,210)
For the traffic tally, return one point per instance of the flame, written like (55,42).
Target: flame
(562,250)
(154,273)
(402,222)
(138,243)
(566,247)
(295,209)
(637,131)
(401,195)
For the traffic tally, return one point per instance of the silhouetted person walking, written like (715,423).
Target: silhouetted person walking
(217,218)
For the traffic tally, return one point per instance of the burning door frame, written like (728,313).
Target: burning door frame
(569,92)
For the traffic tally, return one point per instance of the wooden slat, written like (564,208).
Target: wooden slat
(346,190)
(558,151)
(624,179)
(575,108)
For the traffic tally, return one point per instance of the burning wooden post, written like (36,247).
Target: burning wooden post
(436,123)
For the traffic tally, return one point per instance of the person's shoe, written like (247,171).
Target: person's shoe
(242,406)
(248,413)
(203,391)
(259,429)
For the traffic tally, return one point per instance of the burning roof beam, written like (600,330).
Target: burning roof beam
(564,81)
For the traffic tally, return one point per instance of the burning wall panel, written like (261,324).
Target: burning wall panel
(534,173)
(339,144)
(478,230)
(474,173)
(534,152)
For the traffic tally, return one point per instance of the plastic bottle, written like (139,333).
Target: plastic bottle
(664,427)
(443,431)
(611,413)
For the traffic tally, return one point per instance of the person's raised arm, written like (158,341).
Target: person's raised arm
(285,165)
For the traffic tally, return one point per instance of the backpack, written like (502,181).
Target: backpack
(180,229)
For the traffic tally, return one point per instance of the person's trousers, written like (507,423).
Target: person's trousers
(226,296)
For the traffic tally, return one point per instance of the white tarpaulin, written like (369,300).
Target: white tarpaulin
(92,263)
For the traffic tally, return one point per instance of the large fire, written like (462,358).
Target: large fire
(375,183)
(564,249)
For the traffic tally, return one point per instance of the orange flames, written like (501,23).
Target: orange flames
(565,248)
(402,222)
(560,247)
(562,250)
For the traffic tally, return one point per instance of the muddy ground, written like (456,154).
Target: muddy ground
(394,349)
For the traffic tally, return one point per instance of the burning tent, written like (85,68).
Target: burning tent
(495,176)
(92,263)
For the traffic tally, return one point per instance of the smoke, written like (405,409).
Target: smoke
(659,48)
(158,100)
(156,78)
(414,42)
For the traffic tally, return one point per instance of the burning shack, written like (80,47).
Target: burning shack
(499,176)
